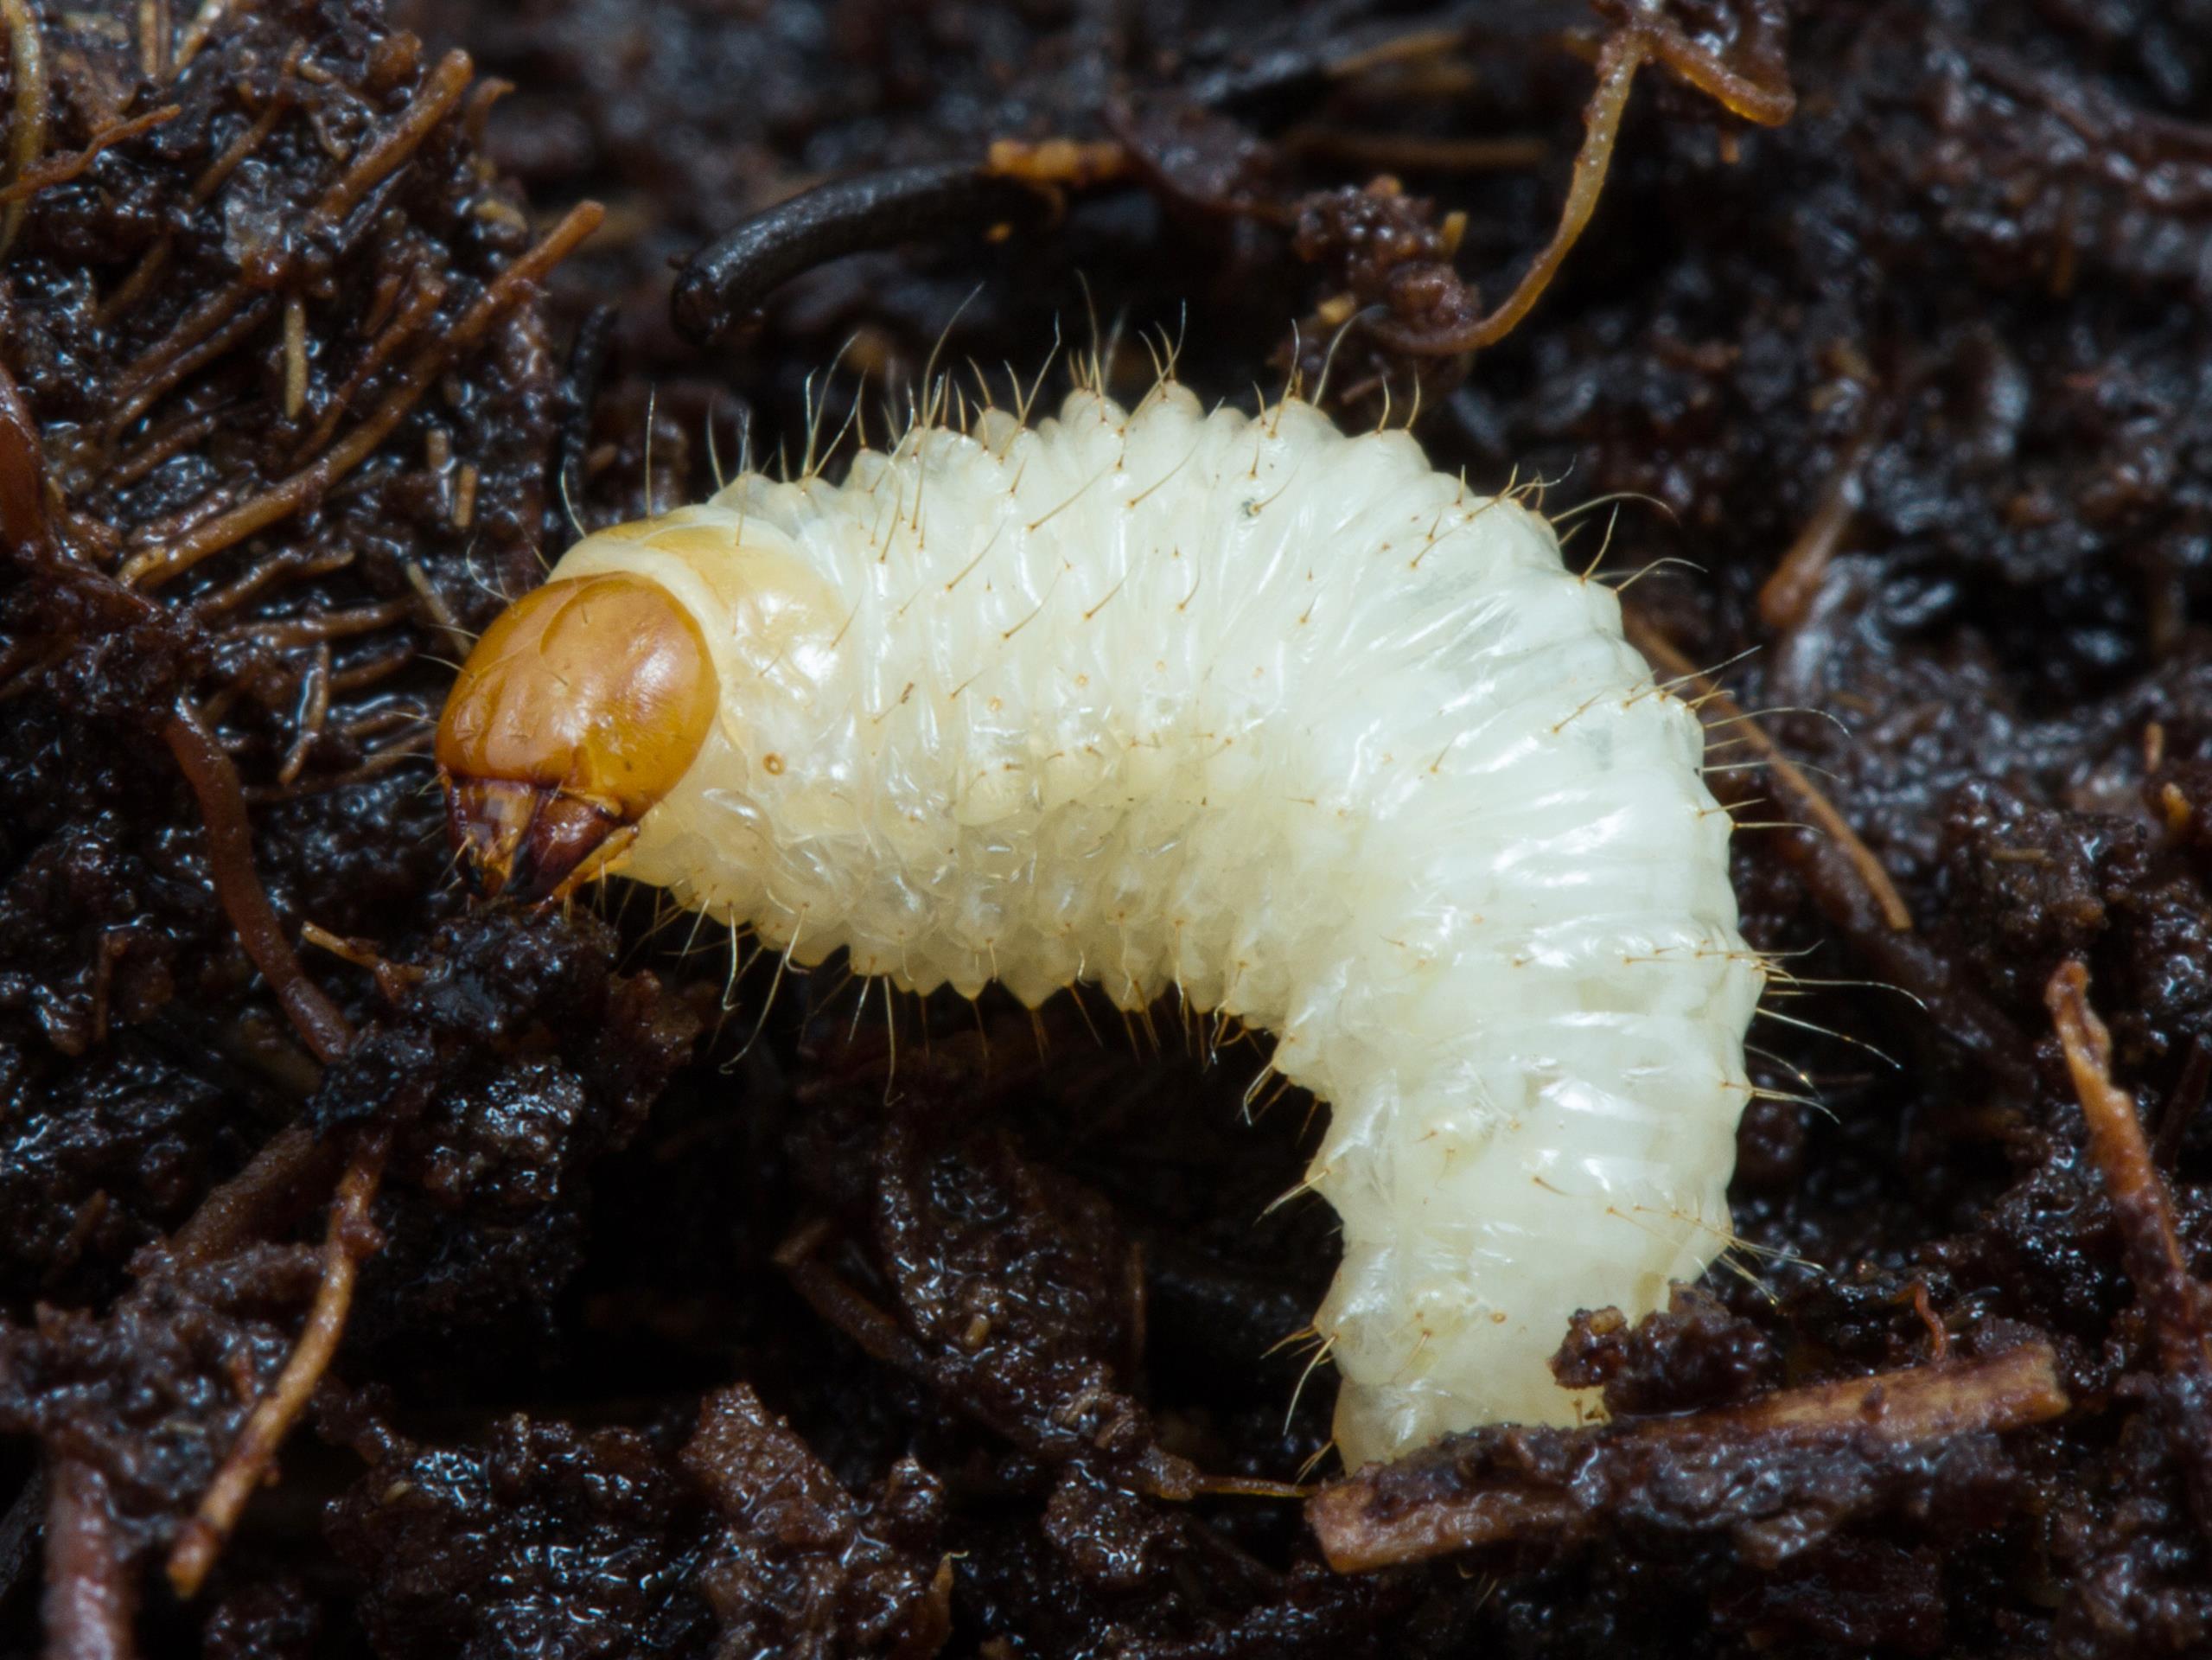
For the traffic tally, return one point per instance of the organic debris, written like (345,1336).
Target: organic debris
(407,1278)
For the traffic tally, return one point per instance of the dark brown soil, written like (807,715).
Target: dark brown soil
(684,1322)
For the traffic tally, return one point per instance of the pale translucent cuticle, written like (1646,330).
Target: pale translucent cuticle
(1291,722)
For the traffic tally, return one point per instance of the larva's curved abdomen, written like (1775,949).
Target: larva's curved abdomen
(1291,722)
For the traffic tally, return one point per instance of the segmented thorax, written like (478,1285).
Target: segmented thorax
(1294,726)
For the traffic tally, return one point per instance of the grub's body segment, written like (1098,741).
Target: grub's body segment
(1294,723)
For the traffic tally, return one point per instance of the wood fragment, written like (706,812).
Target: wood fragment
(1424,1507)
(1918,1403)
(879,1336)
(372,666)
(437,614)
(371,722)
(173,440)
(2183,1104)
(474,120)
(351,1239)
(1762,96)
(1419,47)
(1623,54)
(295,562)
(376,763)
(1057,163)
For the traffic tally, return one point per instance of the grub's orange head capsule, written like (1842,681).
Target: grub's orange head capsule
(582,705)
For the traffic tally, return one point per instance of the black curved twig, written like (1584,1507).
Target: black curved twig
(721,284)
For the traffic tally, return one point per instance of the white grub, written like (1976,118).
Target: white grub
(1293,726)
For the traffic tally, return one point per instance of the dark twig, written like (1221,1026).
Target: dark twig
(289,632)
(828,1293)
(225,326)
(722,282)
(311,716)
(1751,1463)
(389,149)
